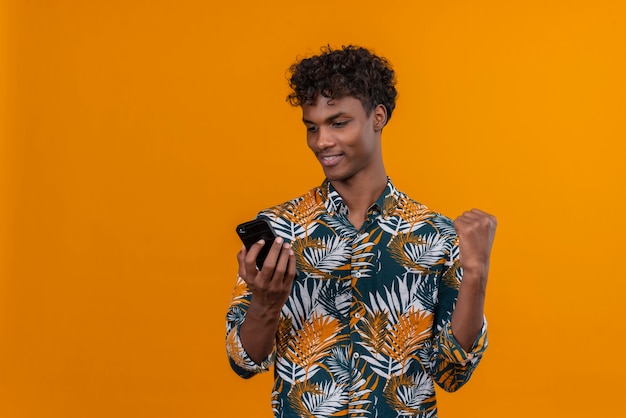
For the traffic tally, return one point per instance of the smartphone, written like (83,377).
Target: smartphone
(252,231)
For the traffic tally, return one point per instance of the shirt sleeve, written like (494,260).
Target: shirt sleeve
(453,366)
(452,350)
(240,362)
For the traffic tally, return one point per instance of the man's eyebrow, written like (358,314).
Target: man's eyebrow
(328,119)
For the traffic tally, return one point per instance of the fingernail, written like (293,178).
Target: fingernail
(279,240)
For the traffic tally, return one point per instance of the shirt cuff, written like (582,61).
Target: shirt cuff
(451,348)
(240,358)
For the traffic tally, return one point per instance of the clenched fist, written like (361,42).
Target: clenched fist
(476,230)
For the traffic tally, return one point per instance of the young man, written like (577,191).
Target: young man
(367,298)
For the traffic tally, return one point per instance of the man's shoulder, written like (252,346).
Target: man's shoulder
(313,199)
(412,208)
(402,196)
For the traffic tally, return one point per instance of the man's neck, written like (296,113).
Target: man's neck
(360,194)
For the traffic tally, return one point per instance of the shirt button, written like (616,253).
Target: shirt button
(358,274)
(357,315)
(355,355)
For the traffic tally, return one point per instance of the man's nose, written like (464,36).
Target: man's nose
(324,138)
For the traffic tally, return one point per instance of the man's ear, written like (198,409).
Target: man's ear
(380,117)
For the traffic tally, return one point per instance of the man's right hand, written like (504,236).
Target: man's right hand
(270,289)
(271,285)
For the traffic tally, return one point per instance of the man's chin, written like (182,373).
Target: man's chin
(334,177)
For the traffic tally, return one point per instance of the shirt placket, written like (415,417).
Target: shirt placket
(357,305)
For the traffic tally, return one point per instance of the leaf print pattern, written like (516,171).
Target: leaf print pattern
(365,331)
(240,293)
(418,254)
(320,257)
(295,218)
(410,397)
(374,331)
(335,300)
(405,337)
(314,341)
(450,278)
(317,400)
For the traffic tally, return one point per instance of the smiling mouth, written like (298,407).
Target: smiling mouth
(329,160)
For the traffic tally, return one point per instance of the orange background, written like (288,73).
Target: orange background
(137,134)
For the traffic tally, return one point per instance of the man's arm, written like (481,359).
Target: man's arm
(270,289)
(476,230)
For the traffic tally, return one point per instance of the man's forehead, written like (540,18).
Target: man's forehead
(321,101)
(320,97)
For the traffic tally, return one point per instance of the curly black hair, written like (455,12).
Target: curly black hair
(349,71)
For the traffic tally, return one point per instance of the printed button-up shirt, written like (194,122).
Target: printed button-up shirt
(366,330)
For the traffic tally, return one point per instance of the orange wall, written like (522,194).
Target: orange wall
(137,134)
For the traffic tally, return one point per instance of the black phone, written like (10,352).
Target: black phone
(252,231)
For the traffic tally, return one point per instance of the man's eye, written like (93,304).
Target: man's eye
(340,124)
(311,128)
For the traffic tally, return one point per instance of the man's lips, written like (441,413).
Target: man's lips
(330,160)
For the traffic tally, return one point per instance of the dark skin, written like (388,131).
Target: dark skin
(347,143)
(476,231)
(270,289)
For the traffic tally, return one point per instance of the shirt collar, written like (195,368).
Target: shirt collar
(335,204)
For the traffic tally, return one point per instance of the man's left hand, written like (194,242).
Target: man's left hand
(476,230)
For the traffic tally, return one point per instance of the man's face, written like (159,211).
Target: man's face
(343,137)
